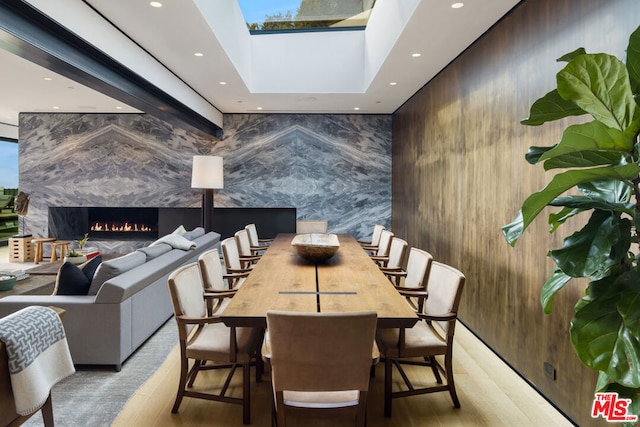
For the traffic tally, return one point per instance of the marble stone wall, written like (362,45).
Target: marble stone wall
(336,167)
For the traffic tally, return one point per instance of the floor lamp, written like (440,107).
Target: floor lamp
(207,174)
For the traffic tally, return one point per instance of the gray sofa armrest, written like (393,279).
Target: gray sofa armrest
(14,303)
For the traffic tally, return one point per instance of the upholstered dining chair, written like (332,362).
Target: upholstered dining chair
(320,363)
(305,226)
(375,238)
(233,262)
(246,251)
(208,342)
(411,283)
(432,336)
(215,280)
(395,259)
(254,238)
(383,245)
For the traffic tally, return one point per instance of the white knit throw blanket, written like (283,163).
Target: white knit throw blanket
(38,355)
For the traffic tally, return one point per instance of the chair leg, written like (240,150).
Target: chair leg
(194,372)
(47,412)
(184,371)
(246,393)
(361,416)
(448,362)
(280,415)
(388,370)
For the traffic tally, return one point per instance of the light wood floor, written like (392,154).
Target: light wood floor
(490,393)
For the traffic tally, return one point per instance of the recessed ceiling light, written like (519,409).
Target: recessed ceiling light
(198,54)
(259,108)
(155,4)
(457,5)
(55,107)
(222,83)
(392,83)
(48,79)
(356,108)
(118,108)
(416,55)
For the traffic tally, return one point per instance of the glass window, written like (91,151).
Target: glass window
(268,16)
(9,168)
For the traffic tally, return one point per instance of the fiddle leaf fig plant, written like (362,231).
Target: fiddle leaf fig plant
(599,158)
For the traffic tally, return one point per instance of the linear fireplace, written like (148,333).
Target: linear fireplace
(103,223)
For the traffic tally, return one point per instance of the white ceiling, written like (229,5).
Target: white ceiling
(324,72)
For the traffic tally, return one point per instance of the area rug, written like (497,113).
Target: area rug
(95,395)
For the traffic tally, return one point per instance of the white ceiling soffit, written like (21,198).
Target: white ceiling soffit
(29,88)
(317,72)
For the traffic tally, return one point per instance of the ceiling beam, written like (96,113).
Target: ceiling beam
(28,33)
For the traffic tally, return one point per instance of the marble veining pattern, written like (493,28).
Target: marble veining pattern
(335,167)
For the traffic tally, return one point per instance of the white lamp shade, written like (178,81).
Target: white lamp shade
(207,172)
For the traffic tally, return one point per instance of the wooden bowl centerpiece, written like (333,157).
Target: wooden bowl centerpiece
(316,247)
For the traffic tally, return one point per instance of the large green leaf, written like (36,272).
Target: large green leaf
(559,218)
(560,183)
(589,251)
(582,159)
(599,84)
(534,153)
(549,108)
(633,60)
(586,202)
(600,334)
(608,195)
(569,56)
(609,190)
(592,136)
(556,282)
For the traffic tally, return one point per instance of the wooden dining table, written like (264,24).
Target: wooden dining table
(348,281)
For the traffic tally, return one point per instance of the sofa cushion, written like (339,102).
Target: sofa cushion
(176,241)
(155,251)
(115,267)
(194,234)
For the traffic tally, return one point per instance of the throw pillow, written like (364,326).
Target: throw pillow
(176,241)
(180,230)
(89,268)
(71,281)
(155,251)
(115,267)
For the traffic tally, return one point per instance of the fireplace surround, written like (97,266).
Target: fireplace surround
(148,224)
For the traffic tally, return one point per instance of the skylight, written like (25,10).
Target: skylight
(269,16)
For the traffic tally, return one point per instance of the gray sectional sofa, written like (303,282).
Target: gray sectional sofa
(107,327)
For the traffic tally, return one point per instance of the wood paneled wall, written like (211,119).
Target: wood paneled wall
(459,174)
